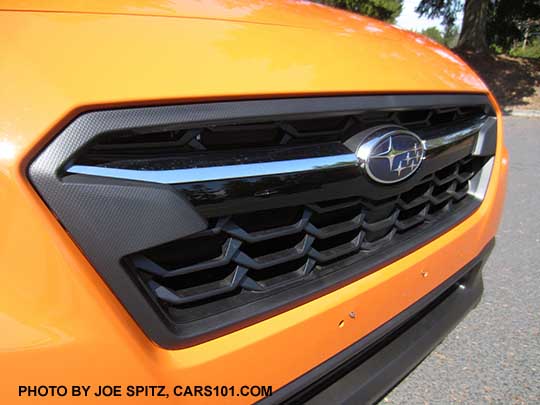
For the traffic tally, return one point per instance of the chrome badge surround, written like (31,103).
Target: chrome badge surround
(391,155)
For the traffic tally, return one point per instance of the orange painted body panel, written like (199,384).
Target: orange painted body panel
(60,323)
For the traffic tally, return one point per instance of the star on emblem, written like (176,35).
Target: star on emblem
(391,153)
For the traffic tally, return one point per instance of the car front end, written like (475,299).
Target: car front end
(239,195)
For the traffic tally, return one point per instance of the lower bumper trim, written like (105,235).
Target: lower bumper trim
(368,369)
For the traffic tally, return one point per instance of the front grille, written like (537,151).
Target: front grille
(240,142)
(242,258)
(204,218)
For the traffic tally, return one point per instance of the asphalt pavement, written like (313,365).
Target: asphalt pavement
(493,356)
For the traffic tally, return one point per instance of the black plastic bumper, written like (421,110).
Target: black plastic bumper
(367,370)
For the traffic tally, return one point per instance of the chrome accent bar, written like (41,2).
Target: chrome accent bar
(486,141)
(201,174)
(453,137)
(478,185)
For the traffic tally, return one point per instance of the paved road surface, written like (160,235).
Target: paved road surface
(493,356)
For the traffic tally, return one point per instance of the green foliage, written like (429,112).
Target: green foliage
(496,49)
(386,10)
(448,38)
(531,51)
(451,36)
(508,21)
(511,20)
(434,34)
(445,9)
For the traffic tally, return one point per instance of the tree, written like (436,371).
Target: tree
(473,31)
(434,34)
(513,21)
(447,38)
(475,18)
(445,9)
(487,22)
(386,10)
(451,36)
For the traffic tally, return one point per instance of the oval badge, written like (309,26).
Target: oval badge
(391,157)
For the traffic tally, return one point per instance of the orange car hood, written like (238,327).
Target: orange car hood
(304,14)
(69,56)
(287,13)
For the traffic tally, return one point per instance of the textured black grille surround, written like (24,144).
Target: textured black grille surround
(113,219)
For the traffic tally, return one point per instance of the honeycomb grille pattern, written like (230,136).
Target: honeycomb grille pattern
(259,252)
